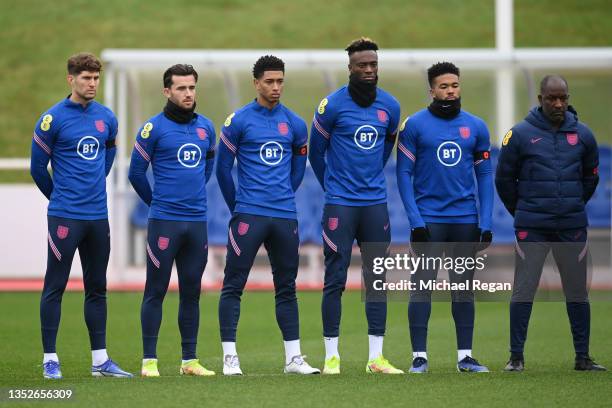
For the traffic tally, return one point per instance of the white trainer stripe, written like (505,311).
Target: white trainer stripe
(320,128)
(142,151)
(233,242)
(519,251)
(227,143)
(152,257)
(407,152)
(329,242)
(56,251)
(583,252)
(42,144)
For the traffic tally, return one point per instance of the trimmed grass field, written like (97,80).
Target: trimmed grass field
(549,379)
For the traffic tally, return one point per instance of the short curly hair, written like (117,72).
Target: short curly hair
(441,68)
(83,61)
(267,63)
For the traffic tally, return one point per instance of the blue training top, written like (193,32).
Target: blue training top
(436,162)
(269,146)
(182,157)
(80,142)
(358,141)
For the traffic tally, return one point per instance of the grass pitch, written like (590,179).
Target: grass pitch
(549,379)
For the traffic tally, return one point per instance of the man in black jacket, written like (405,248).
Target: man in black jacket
(547,171)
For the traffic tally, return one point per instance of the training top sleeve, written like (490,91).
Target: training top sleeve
(320,133)
(392,129)
(144,149)
(43,140)
(406,159)
(111,149)
(210,153)
(226,153)
(484,175)
(299,151)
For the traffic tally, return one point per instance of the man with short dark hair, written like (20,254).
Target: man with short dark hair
(547,172)
(352,135)
(268,142)
(179,144)
(441,149)
(78,136)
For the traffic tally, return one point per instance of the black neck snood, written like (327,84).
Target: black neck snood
(362,92)
(177,114)
(445,109)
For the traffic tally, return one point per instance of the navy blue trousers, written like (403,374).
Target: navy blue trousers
(341,226)
(449,240)
(185,242)
(92,238)
(280,238)
(570,251)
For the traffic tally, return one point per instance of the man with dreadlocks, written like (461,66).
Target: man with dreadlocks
(439,150)
(268,141)
(356,128)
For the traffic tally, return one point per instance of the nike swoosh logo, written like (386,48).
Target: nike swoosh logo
(535,140)
(386,227)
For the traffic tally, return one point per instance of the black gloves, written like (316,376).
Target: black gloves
(486,237)
(419,234)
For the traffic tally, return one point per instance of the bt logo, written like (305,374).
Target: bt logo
(271,153)
(449,154)
(189,155)
(87,147)
(365,137)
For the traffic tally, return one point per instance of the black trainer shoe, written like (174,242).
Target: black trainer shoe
(587,364)
(515,364)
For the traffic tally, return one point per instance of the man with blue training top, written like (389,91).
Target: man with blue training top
(179,144)
(352,135)
(268,142)
(78,136)
(439,151)
(547,172)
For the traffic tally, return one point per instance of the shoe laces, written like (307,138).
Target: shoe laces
(590,361)
(232,361)
(107,364)
(471,360)
(384,361)
(150,363)
(419,361)
(51,365)
(299,360)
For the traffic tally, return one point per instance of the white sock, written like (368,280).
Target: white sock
(98,357)
(186,361)
(331,347)
(50,357)
(376,346)
(461,354)
(292,349)
(146,360)
(419,354)
(229,347)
